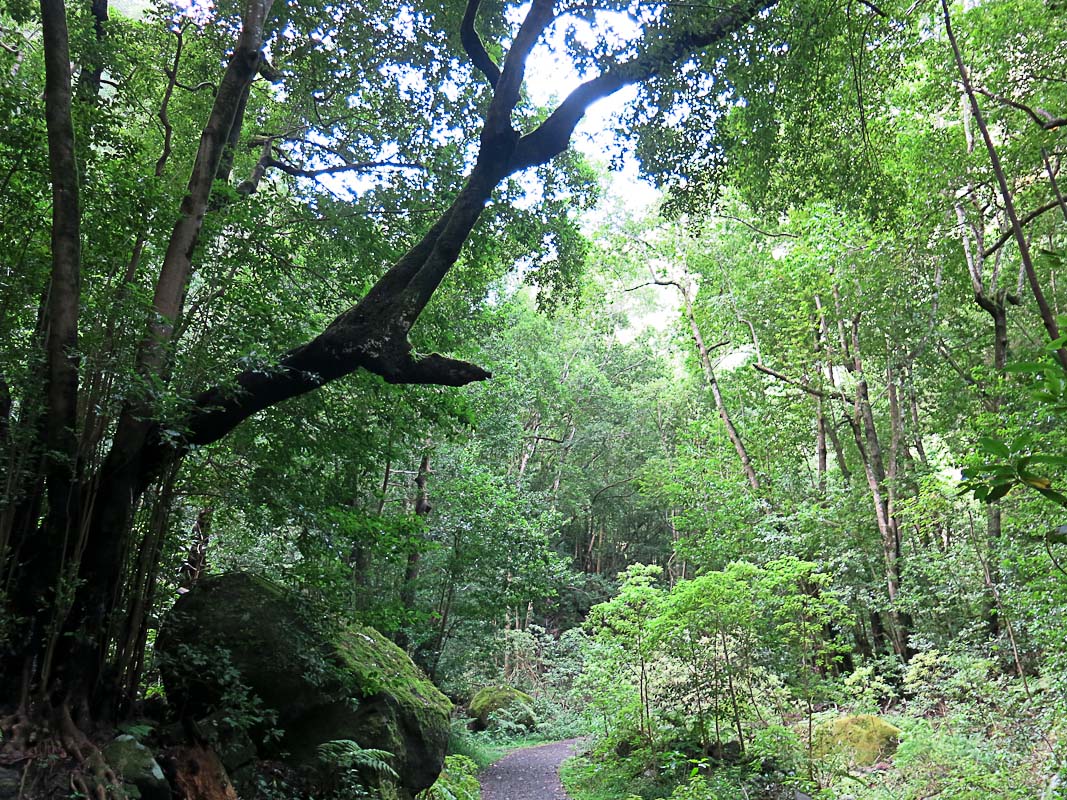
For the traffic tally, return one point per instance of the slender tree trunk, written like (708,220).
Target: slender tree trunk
(820,446)
(720,404)
(411,567)
(865,433)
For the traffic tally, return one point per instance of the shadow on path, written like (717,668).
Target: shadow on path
(531,773)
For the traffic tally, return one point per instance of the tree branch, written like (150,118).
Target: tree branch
(472,43)
(509,84)
(750,226)
(372,335)
(300,172)
(1026,220)
(874,8)
(552,136)
(804,386)
(1038,115)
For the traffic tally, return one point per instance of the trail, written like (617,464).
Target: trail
(531,773)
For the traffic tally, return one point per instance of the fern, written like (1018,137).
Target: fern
(347,754)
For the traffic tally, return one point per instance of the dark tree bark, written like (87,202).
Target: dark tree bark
(45,552)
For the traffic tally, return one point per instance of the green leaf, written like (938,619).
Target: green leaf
(1041,458)
(1054,496)
(997,492)
(994,447)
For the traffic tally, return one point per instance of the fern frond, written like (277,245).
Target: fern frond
(348,754)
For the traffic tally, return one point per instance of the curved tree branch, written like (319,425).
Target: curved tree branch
(1025,220)
(372,335)
(552,136)
(472,43)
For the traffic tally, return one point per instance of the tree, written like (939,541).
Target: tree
(69,523)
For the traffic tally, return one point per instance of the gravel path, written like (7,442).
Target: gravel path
(528,774)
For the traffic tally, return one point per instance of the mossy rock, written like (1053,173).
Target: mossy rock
(864,737)
(274,665)
(492,699)
(138,768)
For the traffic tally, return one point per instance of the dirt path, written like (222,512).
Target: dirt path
(528,774)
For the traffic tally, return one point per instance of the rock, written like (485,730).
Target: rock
(864,737)
(258,652)
(138,767)
(10,783)
(725,752)
(491,699)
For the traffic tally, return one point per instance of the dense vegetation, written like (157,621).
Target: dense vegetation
(707,481)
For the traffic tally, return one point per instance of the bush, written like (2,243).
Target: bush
(952,766)
(458,781)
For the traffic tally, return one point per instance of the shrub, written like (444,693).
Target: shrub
(458,781)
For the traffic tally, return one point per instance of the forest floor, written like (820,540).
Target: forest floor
(531,773)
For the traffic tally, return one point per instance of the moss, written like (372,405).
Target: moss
(266,658)
(377,665)
(865,737)
(498,698)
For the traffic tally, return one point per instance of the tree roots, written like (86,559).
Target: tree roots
(57,753)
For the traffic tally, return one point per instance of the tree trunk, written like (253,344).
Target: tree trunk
(411,567)
(45,565)
(720,404)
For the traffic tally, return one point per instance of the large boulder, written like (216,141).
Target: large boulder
(864,738)
(518,706)
(293,681)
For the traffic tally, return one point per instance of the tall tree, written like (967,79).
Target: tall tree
(87,508)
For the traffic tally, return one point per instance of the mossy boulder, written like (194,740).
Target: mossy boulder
(135,764)
(277,669)
(865,738)
(492,699)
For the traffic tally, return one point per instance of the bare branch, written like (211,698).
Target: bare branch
(1025,220)
(804,386)
(164,118)
(874,8)
(472,43)
(1038,115)
(199,87)
(675,284)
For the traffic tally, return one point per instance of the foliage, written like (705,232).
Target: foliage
(458,781)
(344,763)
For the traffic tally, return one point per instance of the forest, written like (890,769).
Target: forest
(386,386)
